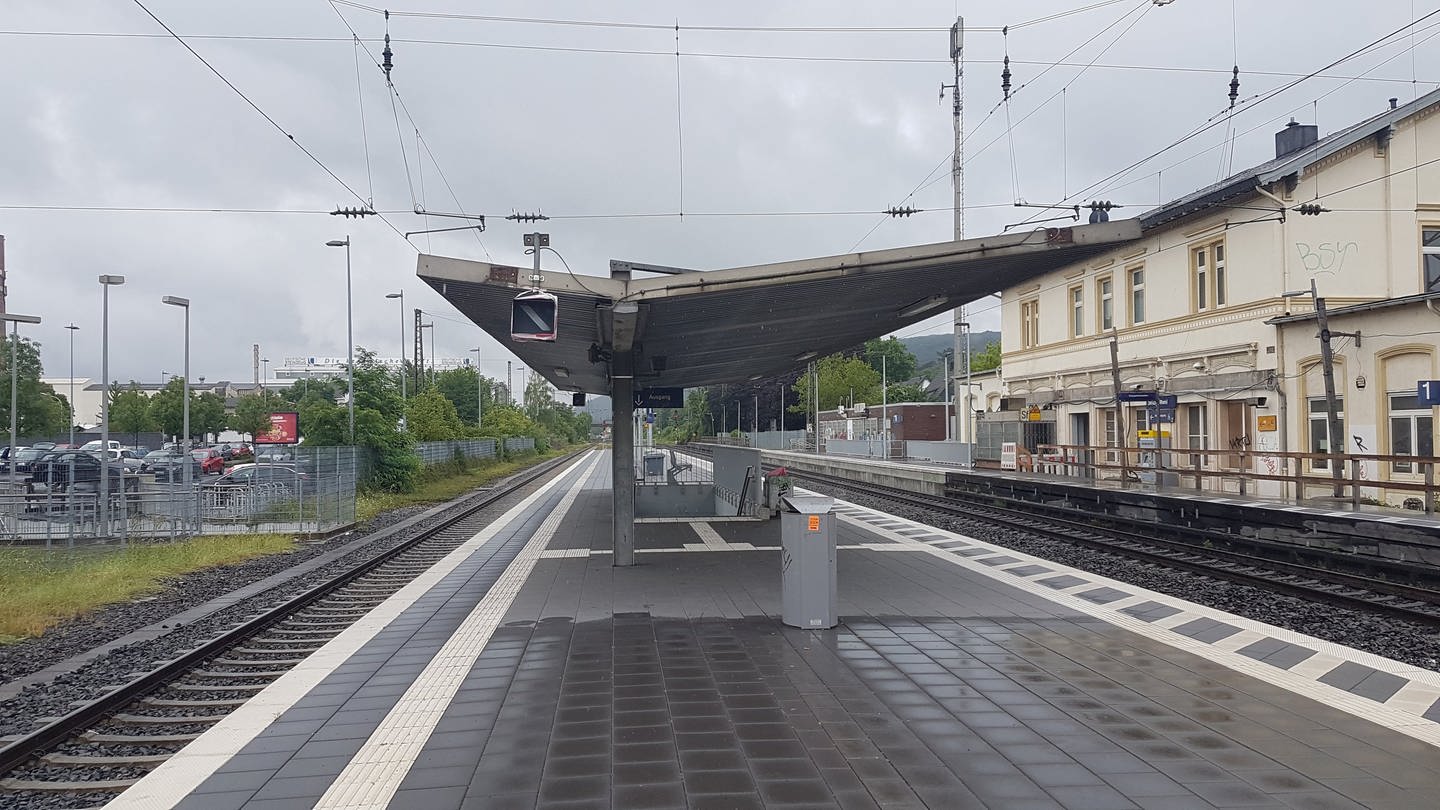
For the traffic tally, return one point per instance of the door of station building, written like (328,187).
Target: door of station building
(1233,434)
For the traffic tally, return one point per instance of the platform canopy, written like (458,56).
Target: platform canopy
(682,329)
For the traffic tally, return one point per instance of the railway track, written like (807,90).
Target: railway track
(105,745)
(1314,580)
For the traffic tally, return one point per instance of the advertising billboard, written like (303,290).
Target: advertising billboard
(284,429)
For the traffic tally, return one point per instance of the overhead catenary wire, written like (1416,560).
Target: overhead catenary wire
(364,133)
(395,96)
(316,160)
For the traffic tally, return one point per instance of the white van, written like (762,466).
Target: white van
(95,445)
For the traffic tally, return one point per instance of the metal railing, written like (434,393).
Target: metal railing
(312,493)
(1366,477)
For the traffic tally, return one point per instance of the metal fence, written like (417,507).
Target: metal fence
(519,444)
(441,452)
(311,491)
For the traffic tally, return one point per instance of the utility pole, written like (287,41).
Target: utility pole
(957,181)
(1335,431)
(1119,406)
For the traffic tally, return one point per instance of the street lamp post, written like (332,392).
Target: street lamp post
(185,460)
(15,321)
(106,282)
(401,295)
(349,334)
(72,327)
(479,400)
(264,373)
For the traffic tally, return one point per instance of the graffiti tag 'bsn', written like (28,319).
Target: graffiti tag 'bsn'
(1326,257)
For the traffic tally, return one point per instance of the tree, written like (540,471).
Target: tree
(130,411)
(898,363)
(843,380)
(40,411)
(376,387)
(459,386)
(207,414)
(167,408)
(252,412)
(907,392)
(431,417)
(987,359)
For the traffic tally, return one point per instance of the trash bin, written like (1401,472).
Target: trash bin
(654,464)
(807,561)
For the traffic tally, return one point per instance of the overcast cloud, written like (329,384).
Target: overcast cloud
(140,122)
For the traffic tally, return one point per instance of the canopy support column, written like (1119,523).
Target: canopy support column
(622,431)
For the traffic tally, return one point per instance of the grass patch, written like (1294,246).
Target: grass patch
(443,482)
(39,588)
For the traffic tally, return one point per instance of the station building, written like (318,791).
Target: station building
(1198,308)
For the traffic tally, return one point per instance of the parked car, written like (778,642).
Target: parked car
(234,451)
(210,460)
(248,475)
(59,471)
(168,466)
(25,459)
(95,445)
(125,456)
(275,453)
(43,446)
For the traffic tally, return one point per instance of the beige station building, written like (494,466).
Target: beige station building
(1198,309)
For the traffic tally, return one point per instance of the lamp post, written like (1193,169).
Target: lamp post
(72,327)
(401,295)
(14,321)
(106,282)
(185,460)
(479,400)
(264,373)
(349,335)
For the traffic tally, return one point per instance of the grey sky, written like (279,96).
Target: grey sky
(124,121)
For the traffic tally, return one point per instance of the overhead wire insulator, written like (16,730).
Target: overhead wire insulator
(1005,74)
(1234,85)
(356,213)
(1311,209)
(387,62)
(902,212)
(527,217)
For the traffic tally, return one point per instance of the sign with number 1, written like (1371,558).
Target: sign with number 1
(1429,392)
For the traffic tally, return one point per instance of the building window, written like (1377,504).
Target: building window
(1430,256)
(1412,430)
(1112,434)
(1029,324)
(1318,419)
(1197,433)
(1137,295)
(1105,289)
(1077,311)
(1207,272)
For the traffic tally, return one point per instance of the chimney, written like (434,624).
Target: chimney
(1294,137)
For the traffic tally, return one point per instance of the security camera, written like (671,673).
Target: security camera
(1199,366)
(1139,386)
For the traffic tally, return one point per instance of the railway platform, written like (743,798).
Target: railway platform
(1365,529)
(525,671)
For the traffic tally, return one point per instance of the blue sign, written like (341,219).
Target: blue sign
(1429,392)
(1137,396)
(1158,414)
(660,398)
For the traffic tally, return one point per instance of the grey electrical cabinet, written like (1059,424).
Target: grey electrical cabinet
(807,561)
(654,464)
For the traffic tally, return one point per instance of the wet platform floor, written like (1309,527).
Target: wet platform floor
(673,684)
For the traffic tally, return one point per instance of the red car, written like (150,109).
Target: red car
(210,460)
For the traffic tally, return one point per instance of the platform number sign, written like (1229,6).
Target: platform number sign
(1429,393)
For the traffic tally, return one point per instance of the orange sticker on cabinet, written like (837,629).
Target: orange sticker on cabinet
(814,523)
